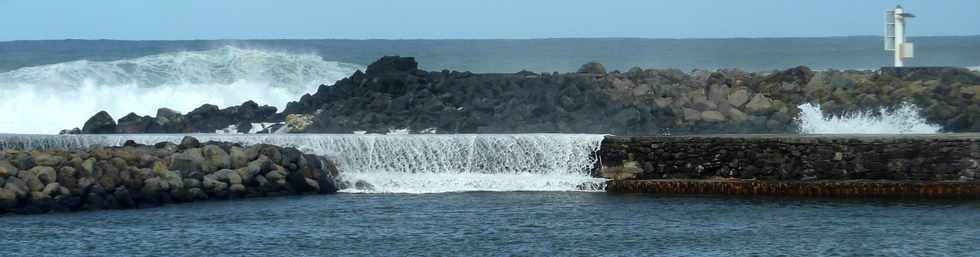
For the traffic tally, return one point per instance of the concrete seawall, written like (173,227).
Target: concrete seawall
(932,166)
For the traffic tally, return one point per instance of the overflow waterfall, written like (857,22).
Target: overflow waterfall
(409,163)
(45,99)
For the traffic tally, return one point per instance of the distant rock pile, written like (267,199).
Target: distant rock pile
(205,119)
(134,175)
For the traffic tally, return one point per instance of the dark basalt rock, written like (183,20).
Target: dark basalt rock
(132,123)
(189,142)
(592,68)
(392,64)
(101,123)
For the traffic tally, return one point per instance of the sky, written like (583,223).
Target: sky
(471,19)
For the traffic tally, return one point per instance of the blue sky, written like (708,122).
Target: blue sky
(439,19)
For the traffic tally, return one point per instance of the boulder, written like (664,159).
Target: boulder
(188,143)
(216,158)
(291,155)
(238,157)
(392,64)
(192,183)
(738,97)
(237,188)
(594,68)
(691,115)
(67,177)
(276,175)
(8,198)
(735,115)
(88,167)
(49,160)
(152,187)
(7,169)
(51,190)
(799,75)
(18,186)
(100,123)
(167,115)
(213,185)
(760,104)
(123,197)
(197,194)
(299,182)
(132,123)
(23,161)
(227,176)
(45,174)
(712,116)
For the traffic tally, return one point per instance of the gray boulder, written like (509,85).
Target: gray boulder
(100,123)
(592,68)
(216,158)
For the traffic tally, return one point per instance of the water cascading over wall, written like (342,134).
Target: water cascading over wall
(408,163)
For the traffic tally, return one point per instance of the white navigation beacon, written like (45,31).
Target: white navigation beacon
(895,35)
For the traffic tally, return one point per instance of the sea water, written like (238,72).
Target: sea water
(506,224)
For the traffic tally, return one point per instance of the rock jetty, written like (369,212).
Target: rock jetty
(393,93)
(135,175)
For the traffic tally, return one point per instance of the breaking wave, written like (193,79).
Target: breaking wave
(905,119)
(48,98)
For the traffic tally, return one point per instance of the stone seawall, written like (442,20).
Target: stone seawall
(940,166)
(134,175)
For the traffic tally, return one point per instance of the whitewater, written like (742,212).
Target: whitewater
(905,119)
(45,99)
(399,163)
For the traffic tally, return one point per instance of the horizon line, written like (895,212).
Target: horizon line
(479,39)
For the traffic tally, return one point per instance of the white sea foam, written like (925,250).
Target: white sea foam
(903,120)
(47,98)
(410,163)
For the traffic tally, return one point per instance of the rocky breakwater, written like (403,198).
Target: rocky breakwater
(932,166)
(393,93)
(134,175)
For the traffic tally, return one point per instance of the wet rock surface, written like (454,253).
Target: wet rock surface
(134,175)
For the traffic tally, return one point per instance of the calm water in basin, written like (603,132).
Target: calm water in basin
(507,223)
